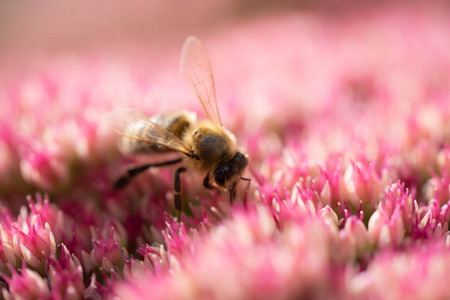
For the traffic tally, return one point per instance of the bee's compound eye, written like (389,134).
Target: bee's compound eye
(220,174)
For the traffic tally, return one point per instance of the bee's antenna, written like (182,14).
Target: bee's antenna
(247,179)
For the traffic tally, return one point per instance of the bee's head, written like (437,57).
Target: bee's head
(226,175)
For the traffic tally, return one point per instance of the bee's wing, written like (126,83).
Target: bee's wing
(134,124)
(196,69)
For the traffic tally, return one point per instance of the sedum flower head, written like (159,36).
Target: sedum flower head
(35,242)
(349,159)
(27,284)
(256,260)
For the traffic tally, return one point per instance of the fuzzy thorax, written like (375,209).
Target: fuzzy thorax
(213,144)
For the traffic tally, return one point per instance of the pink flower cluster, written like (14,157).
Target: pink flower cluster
(346,120)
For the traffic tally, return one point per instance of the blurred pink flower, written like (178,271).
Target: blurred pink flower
(349,161)
(44,168)
(26,285)
(7,257)
(250,258)
(415,274)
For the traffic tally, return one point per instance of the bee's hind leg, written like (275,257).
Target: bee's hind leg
(177,190)
(131,173)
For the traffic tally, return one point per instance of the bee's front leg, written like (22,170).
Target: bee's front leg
(177,190)
(232,192)
(207,184)
(233,189)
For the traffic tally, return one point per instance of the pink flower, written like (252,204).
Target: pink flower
(35,242)
(437,187)
(27,284)
(256,260)
(66,276)
(9,157)
(106,253)
(44,168)
(415,274)
(7,257)
(348,150)
(361,239)
(50,214)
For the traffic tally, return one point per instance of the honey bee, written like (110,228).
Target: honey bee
(205,146)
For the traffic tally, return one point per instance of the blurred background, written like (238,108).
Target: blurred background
(31,32)
(54,27)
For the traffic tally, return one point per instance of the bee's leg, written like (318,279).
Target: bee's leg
(123,180)
(233,189)
(247,179)
(232,192)
(177,190)
(206,183)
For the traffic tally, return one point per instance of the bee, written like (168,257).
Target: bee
(205,146)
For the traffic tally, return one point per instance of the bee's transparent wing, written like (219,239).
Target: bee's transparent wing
(134,124)
(196,69)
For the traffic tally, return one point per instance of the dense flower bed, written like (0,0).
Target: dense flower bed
(346,121)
